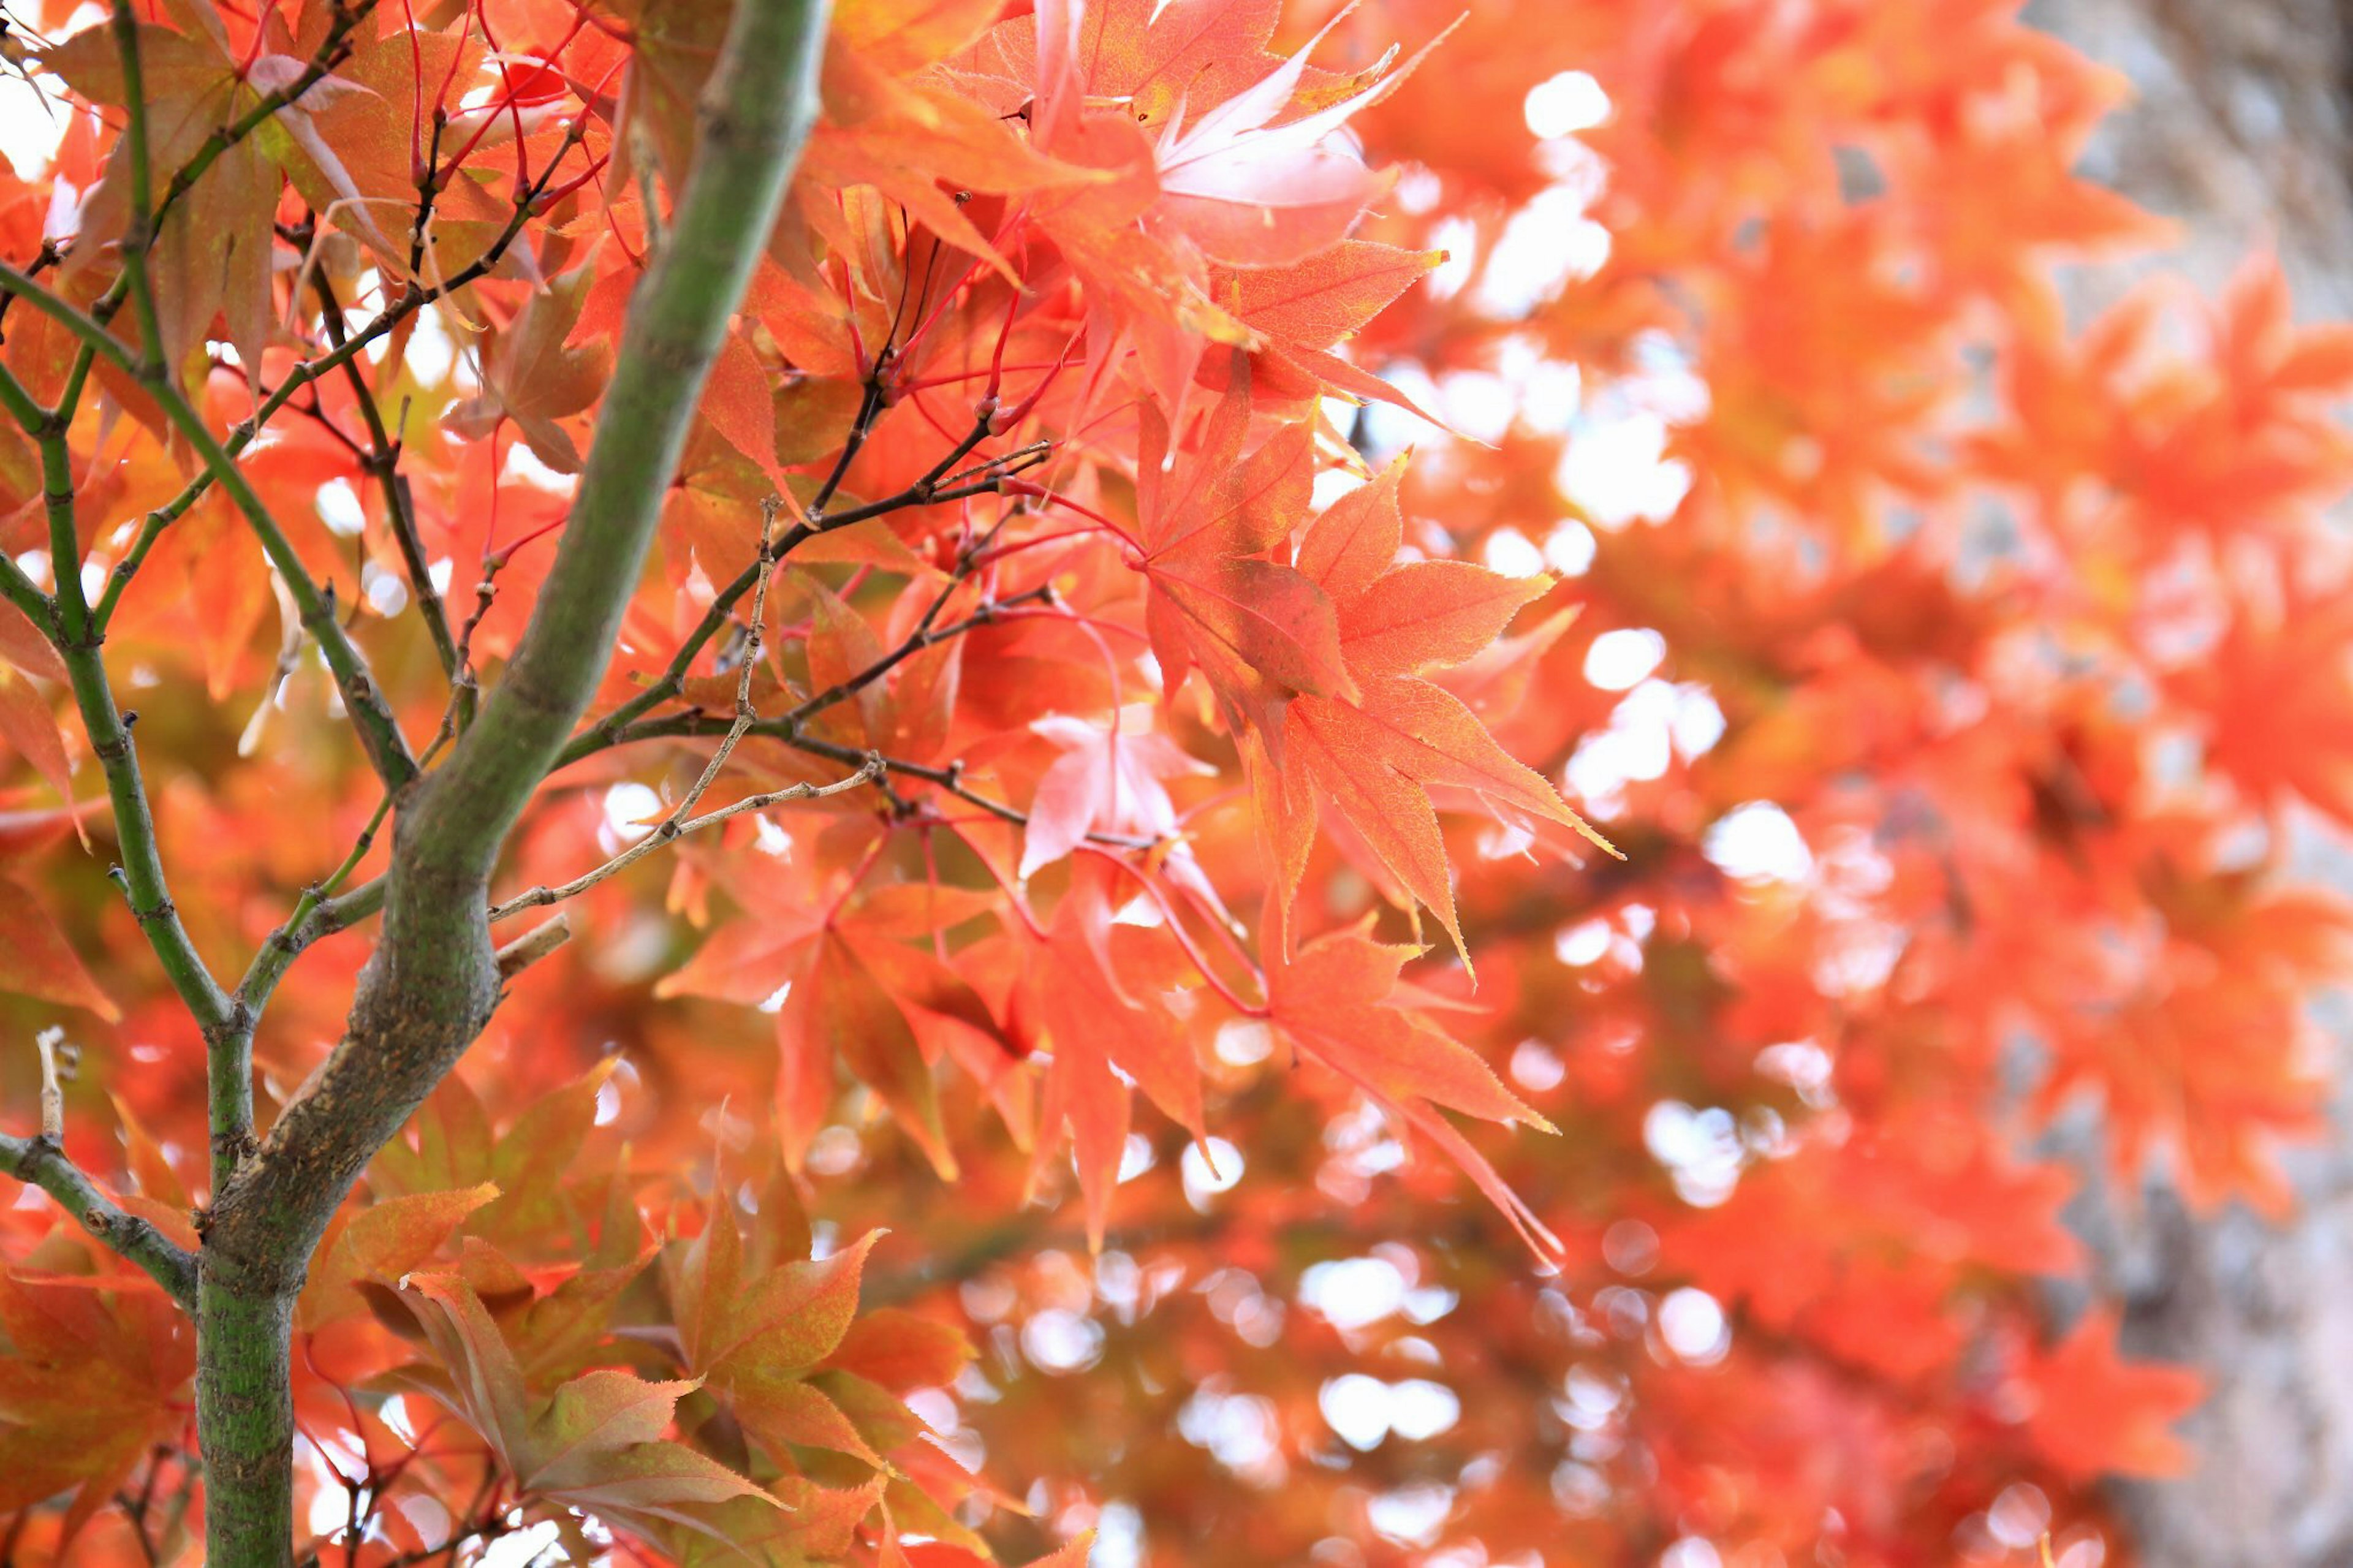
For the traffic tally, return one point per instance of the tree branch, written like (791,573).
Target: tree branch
(925,491)
(681,820)
(379,733)
(139,236)
(677,825)
(68,624)
(142,871)
(333,50)
(383,460)
(311,371)
(434,979)
(40,1162)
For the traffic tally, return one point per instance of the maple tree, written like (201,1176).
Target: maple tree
(894,522)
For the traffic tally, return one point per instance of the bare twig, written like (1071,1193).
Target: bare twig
(41,1161)
(53,1094)
(928,490)
(673,827)
(533,945)
(680,819)
(379,733)
(383,460)
(413,299)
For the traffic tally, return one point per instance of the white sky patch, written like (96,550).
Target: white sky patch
(1552,393)
(1585,943)
(1698,723)
(1331,484)
(386,592)
(1240,1429)
(34,112)
(1692,1325)
(1480,403)
(1389,428)
(518,1550)
(1570,547)
(1119,1537)
(1547,245)
(1202,1182)
(1353,1292)
(1419,191)
(1651,725)
(1536,1066)
(517,462)
(631,812)
(1420,1409)
(1244,1042)
(431,352)
(1622,660)
(1512,553)
(1057,1341)
(1564,105)
(2020,1516)
(1458,237)
(1363,1411)
(340,510)
(1701,1150)
(1414,1514)
(1356,1408)
(1759,843)
(1803,1066)
(1617,471)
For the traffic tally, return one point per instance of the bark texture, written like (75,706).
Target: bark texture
(2241,131)
(2240,128)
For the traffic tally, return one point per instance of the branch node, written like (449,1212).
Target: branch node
(161,908)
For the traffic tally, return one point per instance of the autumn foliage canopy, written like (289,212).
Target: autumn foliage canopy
(1376,768)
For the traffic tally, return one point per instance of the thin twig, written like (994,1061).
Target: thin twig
(379,733)
(414,298)
(383,460)
(680,820)
(925,491)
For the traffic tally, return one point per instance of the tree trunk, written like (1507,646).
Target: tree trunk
(245,1419)
(2241,131)
(435,976)
(2267,1314)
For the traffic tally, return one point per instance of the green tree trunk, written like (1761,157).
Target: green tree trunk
(244,1417)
